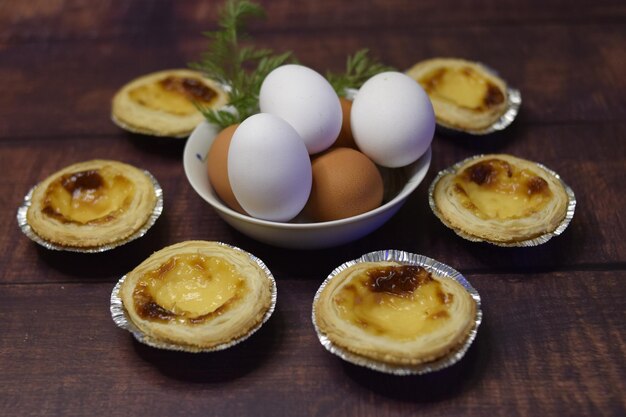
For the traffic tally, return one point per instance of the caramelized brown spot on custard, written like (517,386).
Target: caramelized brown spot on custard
(486,172)
(88,197)
(537,185)
(146,307)
(193,88)
(396,301)
(464,87)
(162,270)
(84,180)
(176,95)
(195,287)
(494,188)
(444,297)
(430,82)
(397,280)
(494,96)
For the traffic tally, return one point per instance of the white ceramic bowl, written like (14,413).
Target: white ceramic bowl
(299,233)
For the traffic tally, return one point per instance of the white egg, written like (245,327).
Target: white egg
(305,100)
(392,119)
(269,168)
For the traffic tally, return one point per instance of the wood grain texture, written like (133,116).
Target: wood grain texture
(84,75)
(594,238)
(555,343)
(63,20)
(552,340)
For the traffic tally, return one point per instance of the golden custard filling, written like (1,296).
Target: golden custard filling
(175,95)
(464,87)
(398,302)
(493,189)
(188,288)
(88,197)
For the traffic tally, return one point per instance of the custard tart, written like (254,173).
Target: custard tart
(165,103)
(92,204)
(465,95)
(394,313)
(198,295)
(501,199)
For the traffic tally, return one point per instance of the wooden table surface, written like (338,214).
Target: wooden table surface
(552,341)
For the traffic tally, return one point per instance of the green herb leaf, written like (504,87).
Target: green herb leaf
(240,68)
(359,68)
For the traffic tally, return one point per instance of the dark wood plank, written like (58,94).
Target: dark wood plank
(594,238)
(65,88)
(47,21)
(550,344)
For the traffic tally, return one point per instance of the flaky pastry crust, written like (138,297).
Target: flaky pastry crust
(445,338)
(452,207)
(450,114)
(241,316)
(141,118)
(114,227)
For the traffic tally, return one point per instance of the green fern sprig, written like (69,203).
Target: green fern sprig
(240,68)
(359,68)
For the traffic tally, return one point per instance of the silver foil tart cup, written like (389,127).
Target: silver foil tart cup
(435,268)
(538,240)
(22,222)
(514,102)
(122,320)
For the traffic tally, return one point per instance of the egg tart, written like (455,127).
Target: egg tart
(465,95)
(198,295)
(395,313)
(501,199)
(92,204)
(165,103)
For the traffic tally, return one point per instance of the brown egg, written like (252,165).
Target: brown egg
(217,167)
(345,138)
(345,183)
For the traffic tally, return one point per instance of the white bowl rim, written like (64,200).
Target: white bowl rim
(411,185)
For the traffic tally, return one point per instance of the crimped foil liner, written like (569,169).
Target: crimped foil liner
(436,268)
(514,102)
(122,320)
(22,222)
(539,240)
